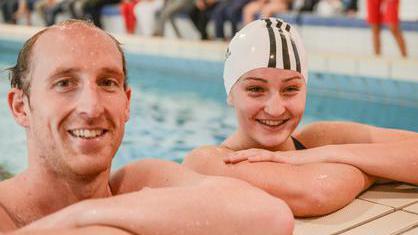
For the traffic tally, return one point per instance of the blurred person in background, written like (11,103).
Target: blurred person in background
(330,8)
(264,9)
(385,11)
(201,14)
(8,8)
(49,10)
(93,10)
(145,13)
(228,10)
(127,10)
(12,10)
(169,10)
(350,7)
(309,5)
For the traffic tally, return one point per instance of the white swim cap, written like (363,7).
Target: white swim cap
(265,43)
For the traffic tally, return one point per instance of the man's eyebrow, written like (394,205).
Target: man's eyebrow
(63,70)
(256,79)
(112,70)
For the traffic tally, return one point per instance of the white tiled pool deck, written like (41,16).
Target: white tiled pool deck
(383,209)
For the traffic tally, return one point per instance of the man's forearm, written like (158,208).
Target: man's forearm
(213,207)
(102,230)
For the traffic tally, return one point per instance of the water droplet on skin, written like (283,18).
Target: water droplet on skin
(320,177)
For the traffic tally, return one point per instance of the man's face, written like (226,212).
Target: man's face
(78,105)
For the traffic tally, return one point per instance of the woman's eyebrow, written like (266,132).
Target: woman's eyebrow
(292,78)
(256,79)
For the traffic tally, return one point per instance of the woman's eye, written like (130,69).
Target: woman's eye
(255,89)
(291,89)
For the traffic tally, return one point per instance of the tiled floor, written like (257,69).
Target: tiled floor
(383,209)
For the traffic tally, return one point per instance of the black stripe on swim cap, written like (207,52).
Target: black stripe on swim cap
(272,38)
(295,51)
(285,48)
(287,28)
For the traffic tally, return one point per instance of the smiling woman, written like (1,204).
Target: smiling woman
(265,77)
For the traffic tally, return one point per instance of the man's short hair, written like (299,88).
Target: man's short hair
(18,75)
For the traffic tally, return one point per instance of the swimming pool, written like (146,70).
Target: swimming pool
(179,104)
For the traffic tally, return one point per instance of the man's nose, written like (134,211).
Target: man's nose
(90,104)
(274,105)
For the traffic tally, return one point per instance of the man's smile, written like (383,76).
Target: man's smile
(87,133)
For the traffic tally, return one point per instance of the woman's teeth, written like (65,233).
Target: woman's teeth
(271,123)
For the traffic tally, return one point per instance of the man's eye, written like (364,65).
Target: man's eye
(64,84)
(108,83)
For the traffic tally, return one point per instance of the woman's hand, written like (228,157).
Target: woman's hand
(290,157)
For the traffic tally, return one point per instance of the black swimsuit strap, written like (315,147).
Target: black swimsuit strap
(298,144)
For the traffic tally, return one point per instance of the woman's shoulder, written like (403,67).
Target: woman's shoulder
(326,133)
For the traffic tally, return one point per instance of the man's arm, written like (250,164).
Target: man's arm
(309,190)
(102,230)
(188,204)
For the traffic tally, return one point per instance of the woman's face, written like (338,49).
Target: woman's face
(269,103)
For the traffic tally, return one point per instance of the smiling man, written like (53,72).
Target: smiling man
(70,93)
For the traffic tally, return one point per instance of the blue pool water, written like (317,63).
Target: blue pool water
(179,104)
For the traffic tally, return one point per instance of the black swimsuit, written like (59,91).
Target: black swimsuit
(298,144)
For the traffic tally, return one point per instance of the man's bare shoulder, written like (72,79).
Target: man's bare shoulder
(6,222)
(153,173)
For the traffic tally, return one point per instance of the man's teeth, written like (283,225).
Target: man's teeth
(272,122)
(88,134)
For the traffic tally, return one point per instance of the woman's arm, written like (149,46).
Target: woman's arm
(385,153)
(210,205)
(309,190)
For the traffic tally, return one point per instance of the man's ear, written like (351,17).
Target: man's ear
(128,93)
(17,106)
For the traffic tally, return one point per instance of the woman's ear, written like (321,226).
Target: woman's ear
(230,99)
(18,106)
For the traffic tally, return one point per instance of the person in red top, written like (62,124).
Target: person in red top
(127,11)
(385,11)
